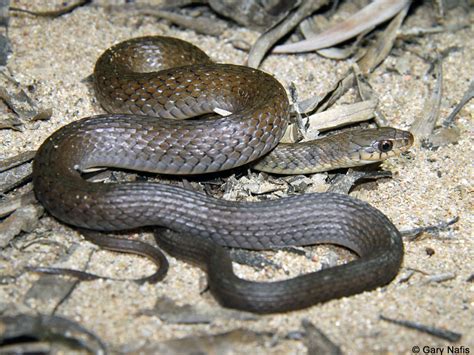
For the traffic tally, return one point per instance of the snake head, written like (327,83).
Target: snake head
(378,144)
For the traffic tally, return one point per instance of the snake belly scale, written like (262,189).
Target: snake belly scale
(145,78)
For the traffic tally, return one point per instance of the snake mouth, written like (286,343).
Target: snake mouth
(410,140)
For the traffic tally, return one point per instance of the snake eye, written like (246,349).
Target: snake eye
(385,146)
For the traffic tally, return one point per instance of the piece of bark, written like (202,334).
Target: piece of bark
(372,15)
(23,219)
(425,123)
(269,38)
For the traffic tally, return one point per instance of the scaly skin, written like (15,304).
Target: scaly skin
(132,139)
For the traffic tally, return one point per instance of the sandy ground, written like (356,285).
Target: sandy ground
(428,187)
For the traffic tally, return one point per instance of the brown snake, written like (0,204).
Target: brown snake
(172,79)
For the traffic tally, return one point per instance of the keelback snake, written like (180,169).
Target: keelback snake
(173,80)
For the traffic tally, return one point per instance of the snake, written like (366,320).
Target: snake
(161,94)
